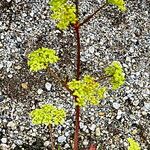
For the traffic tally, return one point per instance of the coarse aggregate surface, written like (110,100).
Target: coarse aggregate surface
(25,25)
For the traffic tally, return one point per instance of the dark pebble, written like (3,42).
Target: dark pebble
(1,98)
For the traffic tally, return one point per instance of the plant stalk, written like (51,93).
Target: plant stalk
(77,109)
(51,137)
(92,15)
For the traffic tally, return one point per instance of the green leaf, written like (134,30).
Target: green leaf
(41,58)
(116,73)
(63,13)
(133,144)
(87,90)
(48,114)
(119,3)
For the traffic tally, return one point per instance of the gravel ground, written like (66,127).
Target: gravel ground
(112,35)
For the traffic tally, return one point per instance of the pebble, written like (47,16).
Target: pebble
(33,134)
(46,143)
(92,118)
(136,102)
(147,106)
(97,131)
(4,140)
(19,142)
(24,85)
(116,105)
(61,139)
(119,114)
(22,128)
(101,114)
(18,67)
(81,125)
(85,142)
(105,42)
(1,98)
(93,126)
(144,113)
(91,49)
(66,134)
(4,147)
(12,125)
(13,146)
(19,39)
(135,131)
(1,65)
(10,75)
(67,146)
(39,91)
(48,86)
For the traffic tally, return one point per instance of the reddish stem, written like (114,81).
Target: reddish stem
(92,147)
(76,26)
(77,109)
(77,128)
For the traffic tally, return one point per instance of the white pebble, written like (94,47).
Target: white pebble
(11,124)
(97,131)
(66,134)
(61,139)
(119,114)
(4,140)
(66,146)
(91,49)
(10,76)
(116,105)
(93,126)
(81,125)
(40,91)
(131,49)
(144,113)
(13,146)
(21,128)
(46,143)
(48,86)
(147,106)
(85,142)
(135,102)
(19,142)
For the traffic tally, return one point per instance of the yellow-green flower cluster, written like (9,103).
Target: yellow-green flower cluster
(116,73)
(41,58)
(63,13)
(87,90)
(133,144)
(48,114)
(57,3)
(119,3)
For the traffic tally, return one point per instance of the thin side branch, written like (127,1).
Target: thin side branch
(58,79)
(103,77)
(92,15)
(77,7)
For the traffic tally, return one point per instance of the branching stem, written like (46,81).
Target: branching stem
(103,77)
(58,79)
(92,15)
